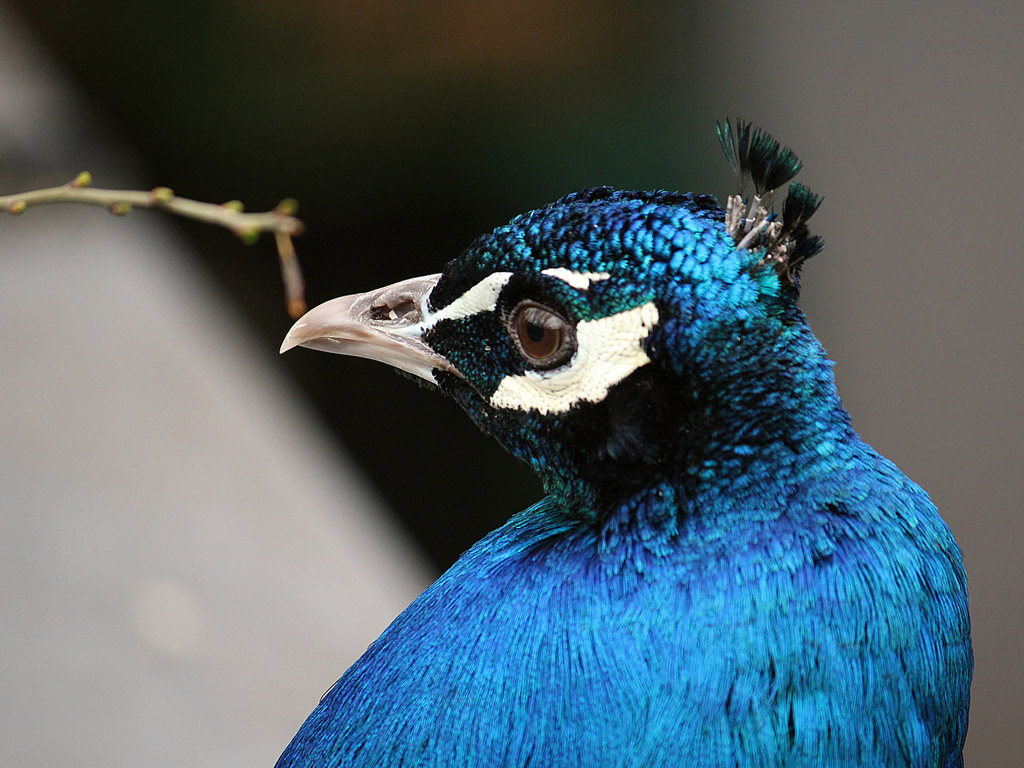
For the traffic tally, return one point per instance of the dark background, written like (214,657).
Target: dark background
(405,129)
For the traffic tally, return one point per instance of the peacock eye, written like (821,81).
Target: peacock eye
(543,337)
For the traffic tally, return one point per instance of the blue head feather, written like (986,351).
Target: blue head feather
(735,370)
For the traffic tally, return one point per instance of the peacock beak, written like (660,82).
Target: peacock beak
(386,324)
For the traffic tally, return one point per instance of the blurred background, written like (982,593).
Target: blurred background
(198,536)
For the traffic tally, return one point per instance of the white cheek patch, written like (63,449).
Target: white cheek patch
(607,351)
(579,280)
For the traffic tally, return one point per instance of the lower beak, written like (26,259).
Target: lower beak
(385,325)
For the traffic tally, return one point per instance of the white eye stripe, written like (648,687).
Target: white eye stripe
(608,350)
(578,280)
(482,297)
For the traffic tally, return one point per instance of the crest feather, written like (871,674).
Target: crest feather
(756,156)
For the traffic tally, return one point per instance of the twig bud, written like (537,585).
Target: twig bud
(84,179)
(288,207)
(17,207)
(120,208)
(161,194)
(248,235)
(233,205)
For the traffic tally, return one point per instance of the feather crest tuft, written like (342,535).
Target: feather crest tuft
(756,156)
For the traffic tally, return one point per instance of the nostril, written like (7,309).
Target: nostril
(402,311)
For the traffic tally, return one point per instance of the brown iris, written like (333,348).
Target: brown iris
(542,336)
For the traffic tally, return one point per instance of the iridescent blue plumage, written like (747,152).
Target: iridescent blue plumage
(721,574)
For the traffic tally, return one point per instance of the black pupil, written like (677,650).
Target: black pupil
(535,331)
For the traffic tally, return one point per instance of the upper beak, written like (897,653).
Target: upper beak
(386,325)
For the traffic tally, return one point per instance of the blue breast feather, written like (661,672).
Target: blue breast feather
(788,640)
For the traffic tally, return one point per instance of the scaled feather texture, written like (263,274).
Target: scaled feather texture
(721,572)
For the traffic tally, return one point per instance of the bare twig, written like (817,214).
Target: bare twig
(247,226)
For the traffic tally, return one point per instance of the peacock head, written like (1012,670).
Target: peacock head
(612,339)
